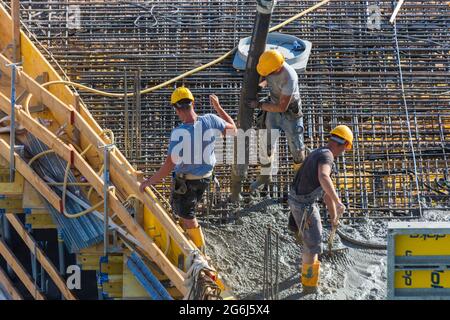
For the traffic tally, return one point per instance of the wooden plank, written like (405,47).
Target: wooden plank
(30,175)
(20,271)
(114,269)
(124,179)
(12,188)
(11,204)
(68,154)
(40,220)
(114,286)
(7,284)
(89,261)
(31,198)
(15,15)
(45,262)
(114,264)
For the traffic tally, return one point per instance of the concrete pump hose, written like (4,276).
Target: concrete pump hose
(359,243)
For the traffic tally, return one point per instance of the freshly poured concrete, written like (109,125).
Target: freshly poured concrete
(237,247)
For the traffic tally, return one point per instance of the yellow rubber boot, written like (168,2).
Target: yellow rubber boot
(197,237)
(310,276)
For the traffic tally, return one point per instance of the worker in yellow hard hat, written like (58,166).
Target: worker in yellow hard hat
(311,183)
(191,157)
(281,112)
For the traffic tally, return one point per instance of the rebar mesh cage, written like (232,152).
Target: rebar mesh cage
(352,78)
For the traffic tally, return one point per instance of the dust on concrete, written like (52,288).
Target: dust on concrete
(237,249)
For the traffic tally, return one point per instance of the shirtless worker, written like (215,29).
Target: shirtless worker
(191,156)
(311,183)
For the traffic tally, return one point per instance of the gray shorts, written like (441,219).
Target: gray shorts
(312,233)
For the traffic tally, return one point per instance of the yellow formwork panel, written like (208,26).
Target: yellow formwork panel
(422,279)
(114,286)
(156,231)
(131,288)
(114,269)
(422,245)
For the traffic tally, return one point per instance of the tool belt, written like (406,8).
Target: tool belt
(180,186)
(294,110)
(306,199)
(306,204)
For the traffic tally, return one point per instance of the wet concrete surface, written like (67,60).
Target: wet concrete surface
(237,249)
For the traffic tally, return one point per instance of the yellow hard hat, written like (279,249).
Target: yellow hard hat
(269,62)
(180,94)
(344,132)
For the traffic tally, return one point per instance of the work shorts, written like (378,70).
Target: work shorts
(183,205)
(312,230)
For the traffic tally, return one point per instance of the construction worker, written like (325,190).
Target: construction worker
(311,183)
(191,156)
(282,112)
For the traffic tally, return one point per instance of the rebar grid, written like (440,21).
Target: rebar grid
(352,77)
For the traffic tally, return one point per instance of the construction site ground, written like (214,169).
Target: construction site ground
(356,273)
(388,82)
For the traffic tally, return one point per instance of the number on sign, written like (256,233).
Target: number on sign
(407,277)
(436,279)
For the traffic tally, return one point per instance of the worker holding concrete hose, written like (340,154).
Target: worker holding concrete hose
(191,157)
(281,112)
(311,183)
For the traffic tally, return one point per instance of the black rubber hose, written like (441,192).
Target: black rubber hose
(364,244)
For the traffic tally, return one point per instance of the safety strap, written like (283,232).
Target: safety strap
(310,198)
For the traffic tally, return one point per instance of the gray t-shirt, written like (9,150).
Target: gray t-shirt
(284,83)
(307,179)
